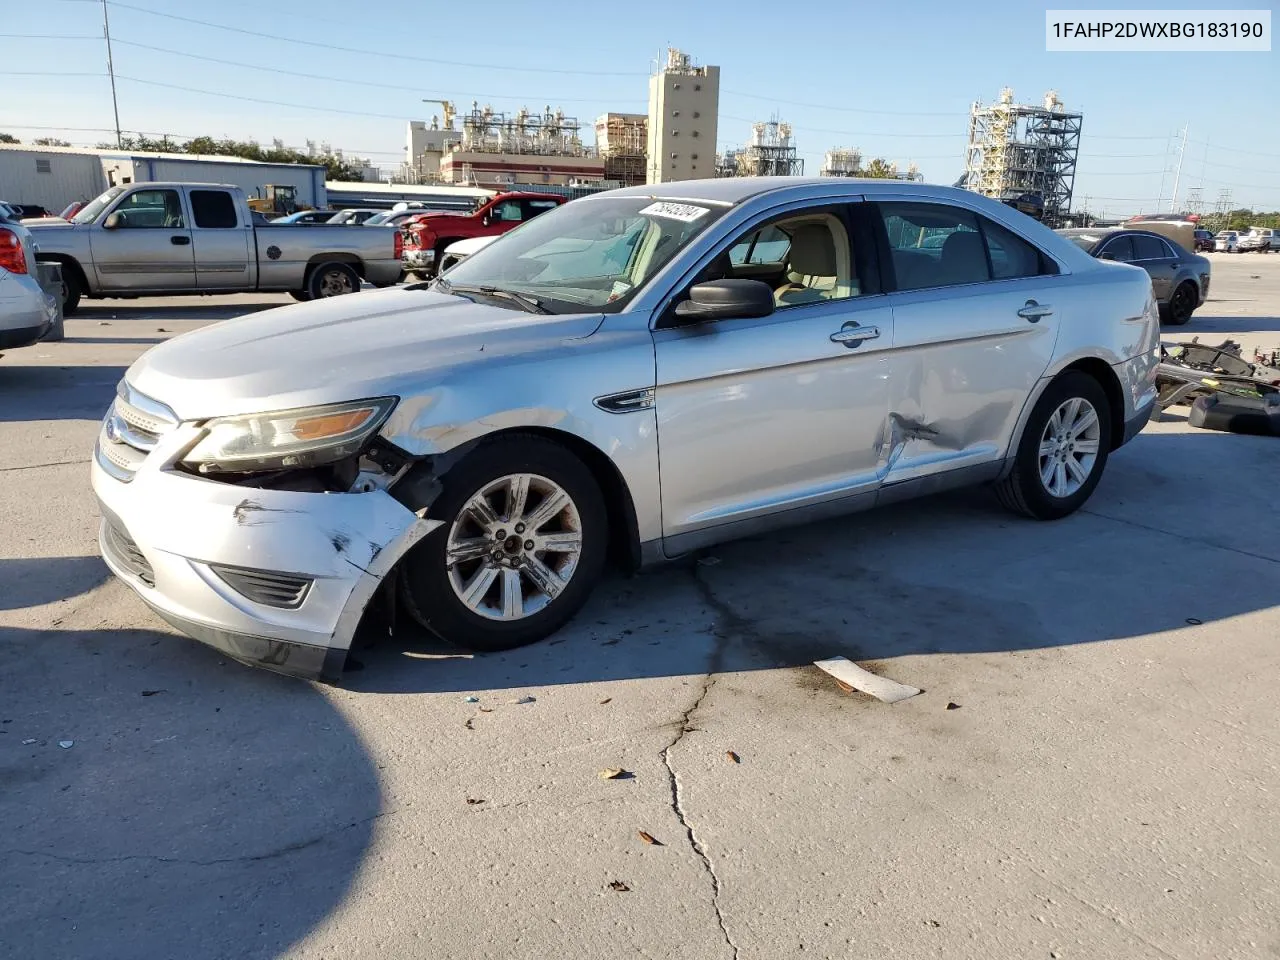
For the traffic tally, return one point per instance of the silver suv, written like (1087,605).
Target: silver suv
(26,310)
(627,378)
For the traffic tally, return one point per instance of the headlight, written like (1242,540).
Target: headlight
(305,437)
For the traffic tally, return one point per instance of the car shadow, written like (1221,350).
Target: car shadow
(954,574)
(1201,324)
(198,309)
(157,803)
(35,581)
(56,392)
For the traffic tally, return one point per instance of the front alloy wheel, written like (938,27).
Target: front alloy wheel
(514,547)
(522,543)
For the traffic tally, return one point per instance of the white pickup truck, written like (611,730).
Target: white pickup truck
(167,239)
(1260,240)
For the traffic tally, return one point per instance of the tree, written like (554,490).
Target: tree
(879,169)
(8,138)
(50,142)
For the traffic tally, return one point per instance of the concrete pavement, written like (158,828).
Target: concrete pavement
(1103,786)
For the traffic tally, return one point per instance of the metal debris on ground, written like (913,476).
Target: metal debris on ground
(28,742)
(650,839)
(619,886)
(952,706)
(1188,371)
(615,773)
(472,801)
(66,744)
(848,673)
(524,700)
(470,699)
(732,757)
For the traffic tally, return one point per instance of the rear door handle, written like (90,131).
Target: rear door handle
(1034,311)
(180,241)
(852,334)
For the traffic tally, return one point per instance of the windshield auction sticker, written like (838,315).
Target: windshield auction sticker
(1124,31)
(684,212)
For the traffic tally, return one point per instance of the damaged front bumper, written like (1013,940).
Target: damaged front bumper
(273,578)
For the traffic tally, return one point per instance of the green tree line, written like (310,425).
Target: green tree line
(335,167)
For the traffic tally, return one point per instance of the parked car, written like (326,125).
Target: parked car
(353,215)
(1226,241)
(1179,279)
(1204,240)
(628,377)
(26,310)
(311,217)
(30,211)
(397,218)
(457,252)
(1259,240)
(427,236)
(180,238)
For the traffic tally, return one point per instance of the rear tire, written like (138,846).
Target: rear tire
(1060,461)
(300,295)
(1183,303)
(492,597)
(332,280)
(72,290)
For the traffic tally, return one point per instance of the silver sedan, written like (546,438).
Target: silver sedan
(627,378)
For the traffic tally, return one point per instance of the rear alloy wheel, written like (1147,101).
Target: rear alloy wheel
(332,280)
(522,544)
(1063,450)
(1182,304)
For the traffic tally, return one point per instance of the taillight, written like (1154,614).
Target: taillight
(399,244)
(12,257)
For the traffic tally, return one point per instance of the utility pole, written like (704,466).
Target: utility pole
(1182,151)
(111,72)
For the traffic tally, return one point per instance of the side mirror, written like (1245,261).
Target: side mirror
(112,222)
(726,300)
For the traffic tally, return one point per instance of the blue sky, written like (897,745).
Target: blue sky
(895,80)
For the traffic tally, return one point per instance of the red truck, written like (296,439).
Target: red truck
(427,235)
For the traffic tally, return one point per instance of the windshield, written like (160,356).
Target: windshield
(96,206)
(1085,241)
(588,255)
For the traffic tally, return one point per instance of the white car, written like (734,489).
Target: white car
(26,310)
(457,252)
(1260,240)
(1226,241)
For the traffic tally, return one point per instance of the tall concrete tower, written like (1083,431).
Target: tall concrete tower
(684,101)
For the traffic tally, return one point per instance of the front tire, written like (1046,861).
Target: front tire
(72,291)
(1063,450)
(522,544)
(1182,304)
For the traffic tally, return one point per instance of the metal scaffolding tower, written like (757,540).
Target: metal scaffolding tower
(548,134)
(1016,150)
(770,153)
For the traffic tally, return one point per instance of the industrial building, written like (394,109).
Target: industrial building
(1024,153)
(501,150)
(425,147)
(684,105)
(55,176)
(621,142)
(769,153)
(848,162)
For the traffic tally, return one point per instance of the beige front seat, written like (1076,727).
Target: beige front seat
(811,272)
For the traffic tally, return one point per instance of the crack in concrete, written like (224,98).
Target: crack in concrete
(41,466)
(270,855)
(729,618)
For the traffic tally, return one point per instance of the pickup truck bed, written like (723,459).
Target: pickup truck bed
(185,238)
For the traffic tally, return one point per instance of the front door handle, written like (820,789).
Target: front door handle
(180,240)
(852,334)
(1034,311)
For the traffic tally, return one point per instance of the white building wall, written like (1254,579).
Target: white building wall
(683,109)
(51,178)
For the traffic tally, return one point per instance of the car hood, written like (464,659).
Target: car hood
(381,343)
(46,222)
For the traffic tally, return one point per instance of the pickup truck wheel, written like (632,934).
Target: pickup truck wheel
(71,291)
(1063,450)
(523,542)
(332,280)
(300,295)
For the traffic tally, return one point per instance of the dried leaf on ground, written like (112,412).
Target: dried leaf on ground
(650,838)
(730,755)
(472,801)
(615,773)
(619,886)
(605,700)
(953,706)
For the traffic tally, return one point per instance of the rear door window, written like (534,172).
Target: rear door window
(1150,248)
(213,209)
(534,207)
(1120,248)
(1011,256)
(934,245)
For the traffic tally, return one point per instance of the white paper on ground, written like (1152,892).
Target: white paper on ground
(882,688)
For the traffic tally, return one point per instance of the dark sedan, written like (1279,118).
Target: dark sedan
(1179,279)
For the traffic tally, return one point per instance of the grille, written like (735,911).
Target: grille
(131,429)
(121,548)
(267,587)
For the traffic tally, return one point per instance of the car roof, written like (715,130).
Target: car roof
(734,190)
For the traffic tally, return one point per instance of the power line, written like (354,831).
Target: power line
(382,54)
(332,79)
(272,103)
(826,106)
